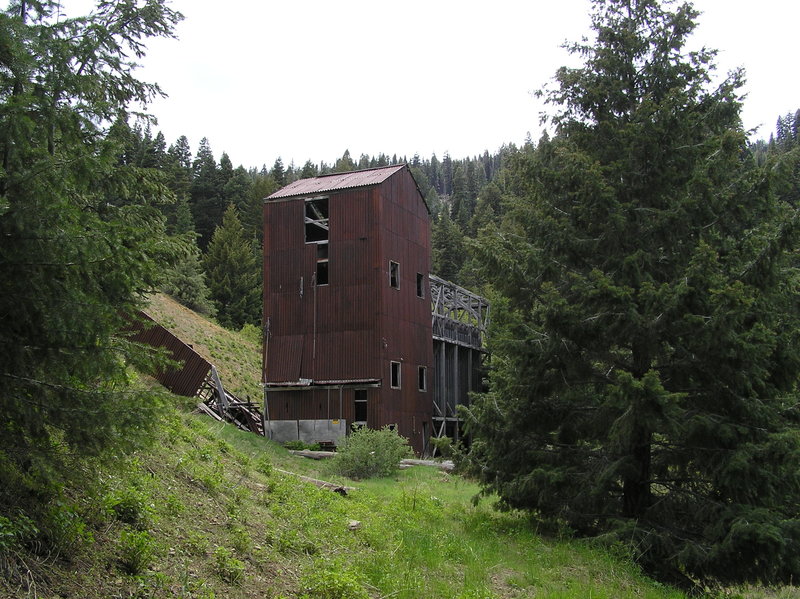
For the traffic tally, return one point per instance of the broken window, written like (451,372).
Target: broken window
(322,263)
(422,378)
(322,273)
(394,274)
(316,220)
(360,406)
(394,381)
(420,285)
(316,226)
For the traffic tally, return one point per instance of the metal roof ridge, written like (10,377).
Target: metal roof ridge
(337,181)
(360,170)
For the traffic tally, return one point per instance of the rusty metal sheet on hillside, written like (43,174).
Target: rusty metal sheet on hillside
(189,376)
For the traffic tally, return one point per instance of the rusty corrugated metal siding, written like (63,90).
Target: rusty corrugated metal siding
(353,327)
(310,326)
(320,404)
(405,318)
(185,380)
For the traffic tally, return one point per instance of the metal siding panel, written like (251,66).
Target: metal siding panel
(266,249)
(185,380)
(284,354)
(406,319)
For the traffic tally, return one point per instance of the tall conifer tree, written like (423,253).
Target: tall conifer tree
(646,343)
(82,236)
(206,193)
(233,273)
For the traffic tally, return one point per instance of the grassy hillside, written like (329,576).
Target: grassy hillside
(210,511)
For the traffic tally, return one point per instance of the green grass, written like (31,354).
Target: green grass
(196,516)
(206,512)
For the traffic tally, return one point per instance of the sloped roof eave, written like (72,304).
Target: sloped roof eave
(342,181)
(336,182)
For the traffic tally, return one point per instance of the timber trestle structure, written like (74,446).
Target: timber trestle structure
(224,404)
(194,376)
(460,319)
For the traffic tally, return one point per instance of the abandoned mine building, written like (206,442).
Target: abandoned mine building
(358,332)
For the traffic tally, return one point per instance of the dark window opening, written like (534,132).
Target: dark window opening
(394,380)
(422,378)
(360,406)
(322,272)
(394,274)
(322,263)
(420,285)
(316,220)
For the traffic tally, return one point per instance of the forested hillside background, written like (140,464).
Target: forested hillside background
(464,195)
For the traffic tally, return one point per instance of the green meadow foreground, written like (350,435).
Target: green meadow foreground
(210,511)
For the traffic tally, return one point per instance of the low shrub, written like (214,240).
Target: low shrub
(16,532)
(226,567)
(136,551)
(130,505)
(332,583)
(298,445)
(368,453)
(264,466)
(65,529)
(196,543)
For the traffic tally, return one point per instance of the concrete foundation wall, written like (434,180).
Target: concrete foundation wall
(307,431)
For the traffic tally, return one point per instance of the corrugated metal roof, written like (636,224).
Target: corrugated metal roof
(337,181)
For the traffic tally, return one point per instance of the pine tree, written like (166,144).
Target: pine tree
(278,173)
(184,223)
(463,202)
(309,170)
(182,153)
(344,164)
(447,175)
(186,282)
(252,211)
(237,189)
(233,274)
(206,193)
(447,248)
(83,239)
(646,336)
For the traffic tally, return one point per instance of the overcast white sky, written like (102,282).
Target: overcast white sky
(307,79)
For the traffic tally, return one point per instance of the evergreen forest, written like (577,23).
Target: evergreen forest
(641,260)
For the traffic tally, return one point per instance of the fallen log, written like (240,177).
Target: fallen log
(313,455)
(322,484)
(446,465)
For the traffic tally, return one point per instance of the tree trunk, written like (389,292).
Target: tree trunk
(636,486)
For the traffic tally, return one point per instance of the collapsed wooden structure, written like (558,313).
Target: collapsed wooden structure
(191,375)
